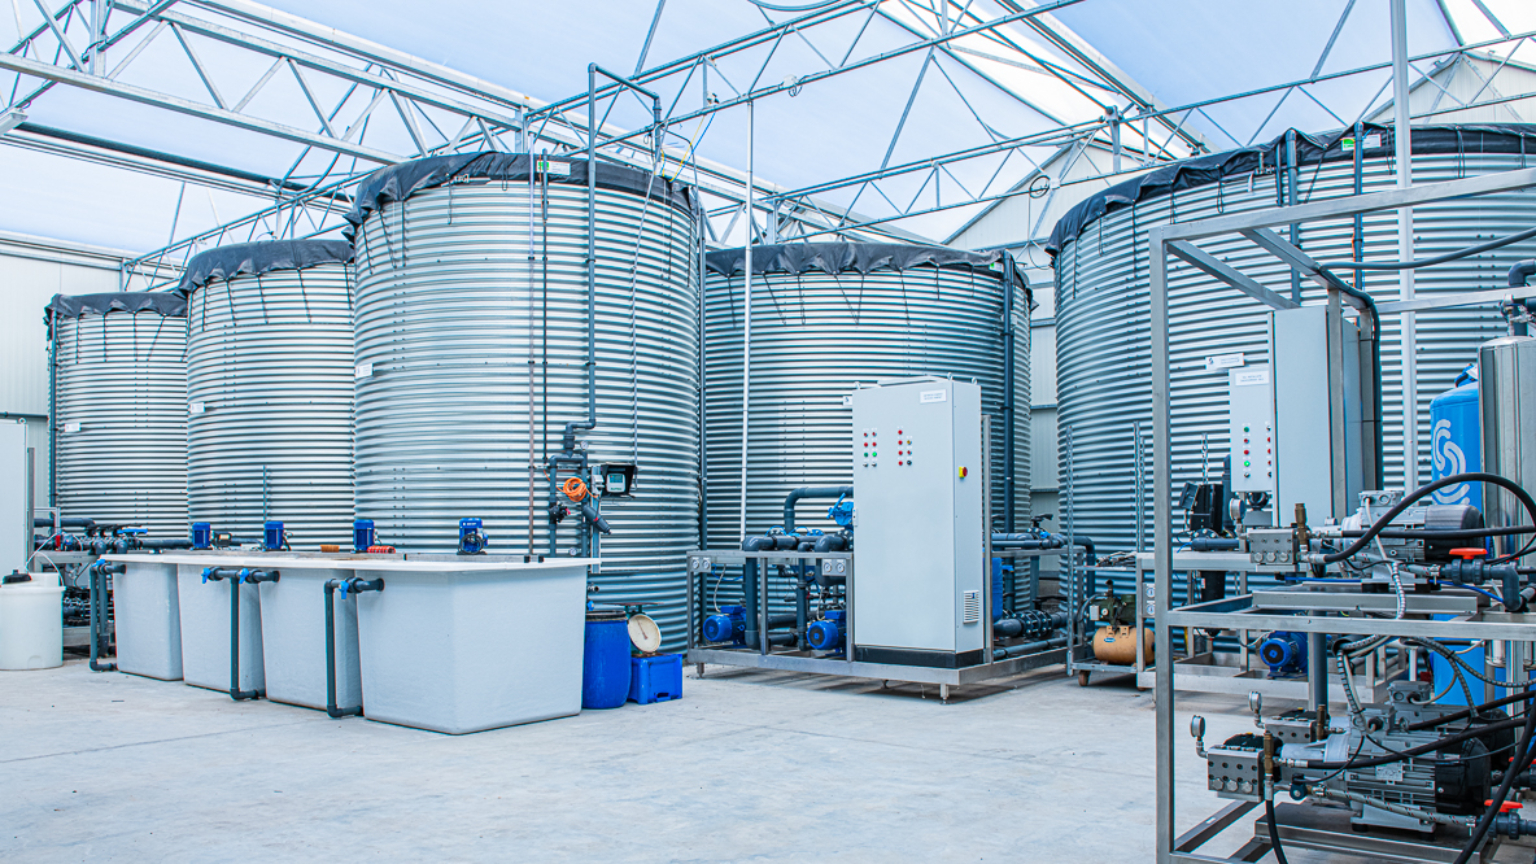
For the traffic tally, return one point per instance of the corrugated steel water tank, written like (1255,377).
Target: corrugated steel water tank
(472,341)
(827,317)
(120,409)
(1102,301)
(269,390)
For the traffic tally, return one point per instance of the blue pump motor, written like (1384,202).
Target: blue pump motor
(1285,653)
(827,634)
(363,535)
(202,535)
(274,538)
(728,625)
(1456,439)
(472,537)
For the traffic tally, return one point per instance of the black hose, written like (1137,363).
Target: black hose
(1274,831)
(1517,766)
(1472,476)
(1438,259)
(1431,747)
(1456,534)
(1467,712)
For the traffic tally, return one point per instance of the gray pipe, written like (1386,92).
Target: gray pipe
(1213,544)
(810,492)
(1028,541)
(1028,624)
(749,584)
(1028,648)
(1522,271)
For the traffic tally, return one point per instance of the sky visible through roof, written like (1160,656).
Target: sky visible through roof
(986,88)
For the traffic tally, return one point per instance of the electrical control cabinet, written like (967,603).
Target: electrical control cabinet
(1251,427)
(919,483)
(1299,425)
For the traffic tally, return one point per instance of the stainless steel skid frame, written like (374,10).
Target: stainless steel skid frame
(1259,611)
(703,562)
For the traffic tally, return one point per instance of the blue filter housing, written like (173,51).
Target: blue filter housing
(202,535)
(1456,440)
(273,537)
(827,634)
(1285,653)
(728,625)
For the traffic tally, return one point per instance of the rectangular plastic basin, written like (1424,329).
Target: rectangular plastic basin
(293,639)
(147,612)
(475,645)
(205,629)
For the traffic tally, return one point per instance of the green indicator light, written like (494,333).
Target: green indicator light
(1245,428)
(874,454)
(1246,464)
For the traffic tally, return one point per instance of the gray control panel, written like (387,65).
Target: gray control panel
(918,481)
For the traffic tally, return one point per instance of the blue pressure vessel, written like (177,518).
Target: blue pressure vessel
(1455,439)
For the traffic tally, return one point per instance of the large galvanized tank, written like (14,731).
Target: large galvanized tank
(472,338)
(120,409)
(827,317)
(269,390)
(1102,312)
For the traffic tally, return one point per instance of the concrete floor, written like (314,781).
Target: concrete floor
(748,766)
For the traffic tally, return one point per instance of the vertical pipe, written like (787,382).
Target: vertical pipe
(1009,408)
(53,408)
(1317,671)
(1162,546)
(1292,181)
(532,418)
(1402,137)
(1357,244)
(746,344)
(1114,140)
(31,493)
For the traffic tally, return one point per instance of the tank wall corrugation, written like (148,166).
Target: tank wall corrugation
(475,346)
(269,394)
(122,378)
(815,338)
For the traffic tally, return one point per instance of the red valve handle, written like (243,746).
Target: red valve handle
(1467,553)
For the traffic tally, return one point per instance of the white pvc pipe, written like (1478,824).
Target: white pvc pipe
(1409,343)
(746,344)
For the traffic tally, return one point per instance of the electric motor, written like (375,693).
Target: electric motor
(827,634)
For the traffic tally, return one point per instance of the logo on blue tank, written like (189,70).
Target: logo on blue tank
(1448,459)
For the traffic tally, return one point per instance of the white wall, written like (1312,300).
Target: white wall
(32,270)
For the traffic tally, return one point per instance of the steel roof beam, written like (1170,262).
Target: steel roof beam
(144,96)
(1219,269)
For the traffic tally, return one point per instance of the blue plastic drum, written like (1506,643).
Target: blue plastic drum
(605,660)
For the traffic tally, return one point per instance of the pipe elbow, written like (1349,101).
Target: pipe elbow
(1522,271)
(757,544)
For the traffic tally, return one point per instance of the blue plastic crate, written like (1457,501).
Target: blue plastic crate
(655,679)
